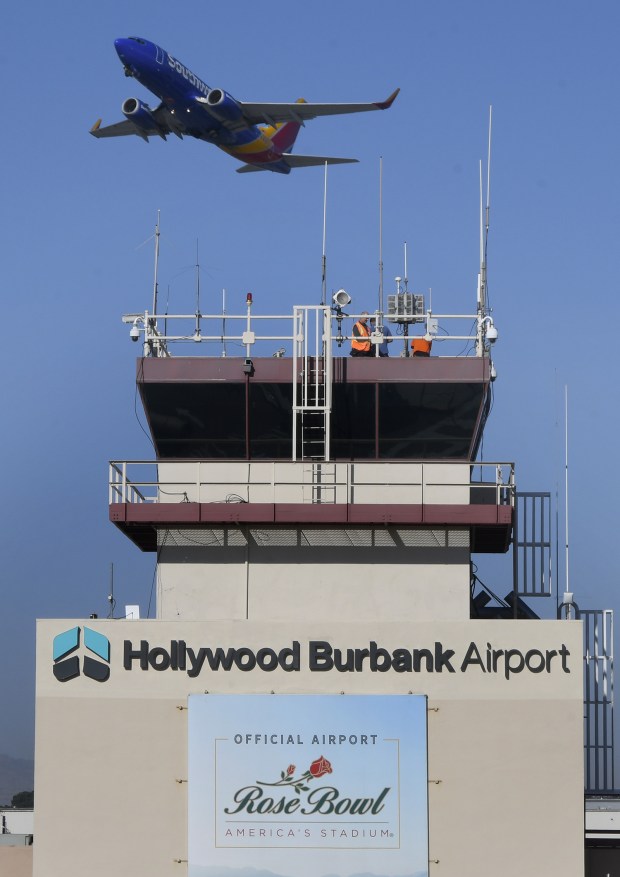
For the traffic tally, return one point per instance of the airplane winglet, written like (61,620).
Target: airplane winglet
(96,126)
(386,104)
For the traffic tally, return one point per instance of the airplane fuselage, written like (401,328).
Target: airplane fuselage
(179,88)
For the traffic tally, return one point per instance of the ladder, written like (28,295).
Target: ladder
(312,385)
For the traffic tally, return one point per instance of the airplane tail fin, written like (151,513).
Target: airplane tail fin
(284,134)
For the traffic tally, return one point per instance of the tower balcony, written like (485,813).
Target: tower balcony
(150,496)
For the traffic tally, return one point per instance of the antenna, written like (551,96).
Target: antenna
(481,296)
(480,278)
(381,234)
(566,587)
(156,266)
(324,259)
(486,240)
(223,322)
(405,278)
(197,280)
(197,329)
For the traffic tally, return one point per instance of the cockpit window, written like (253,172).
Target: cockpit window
(138,40)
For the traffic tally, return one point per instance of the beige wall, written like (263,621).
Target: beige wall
(287,482)
(265,583)
(505,755)
(15,861)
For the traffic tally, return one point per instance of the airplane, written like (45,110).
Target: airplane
(260,134)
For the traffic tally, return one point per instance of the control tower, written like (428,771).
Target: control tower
(317,692)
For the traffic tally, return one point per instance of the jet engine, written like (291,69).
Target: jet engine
(140,114)
(223,106)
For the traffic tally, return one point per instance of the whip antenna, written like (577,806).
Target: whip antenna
(223,322)
(566,587)
(197,280)
(324,259)
(486,239)
(484,229)
(482,294)
(156,265)
(198,314)
(381,235)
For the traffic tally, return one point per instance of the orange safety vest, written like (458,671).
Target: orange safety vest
(364,332)
(421,347)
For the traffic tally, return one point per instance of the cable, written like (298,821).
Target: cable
(159,550)
(175,493)
(135,404)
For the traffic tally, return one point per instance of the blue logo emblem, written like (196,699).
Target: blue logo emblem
(66,668)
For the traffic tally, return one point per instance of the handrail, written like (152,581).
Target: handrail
(211,329)
(126,485)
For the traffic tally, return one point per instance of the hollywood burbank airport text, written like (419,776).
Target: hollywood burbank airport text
(323,657)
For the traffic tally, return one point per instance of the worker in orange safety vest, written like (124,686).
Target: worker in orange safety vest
(421,347)
(360,345)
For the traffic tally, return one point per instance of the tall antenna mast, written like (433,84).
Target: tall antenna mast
(156,266)
(481,294)
(197,280)
(381,234)
(223,322)
(484,228)
(405,278)
(566,587)
(324,259)
(486,240)
(198,314)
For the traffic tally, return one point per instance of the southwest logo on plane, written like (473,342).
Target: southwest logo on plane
(66,643)
(259,134)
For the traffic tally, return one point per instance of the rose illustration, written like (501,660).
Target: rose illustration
(317,769)
(320,767)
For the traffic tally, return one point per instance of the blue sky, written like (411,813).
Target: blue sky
(75,213)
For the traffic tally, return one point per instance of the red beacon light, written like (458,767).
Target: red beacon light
(248,299)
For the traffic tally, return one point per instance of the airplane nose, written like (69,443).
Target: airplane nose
(121,49)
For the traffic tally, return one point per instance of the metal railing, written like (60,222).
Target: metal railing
(473,333)
(598,699)
(149,481)
(532,545)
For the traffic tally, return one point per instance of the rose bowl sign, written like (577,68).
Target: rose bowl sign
(311,785)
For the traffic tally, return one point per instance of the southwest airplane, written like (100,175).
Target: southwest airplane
(260,134)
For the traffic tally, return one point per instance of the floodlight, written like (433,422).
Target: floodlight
(341,298)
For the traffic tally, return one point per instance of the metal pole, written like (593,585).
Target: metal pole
(381,234)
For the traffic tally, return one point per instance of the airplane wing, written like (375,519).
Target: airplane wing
(120,129)
(162,124)
(299,161)
(301,111)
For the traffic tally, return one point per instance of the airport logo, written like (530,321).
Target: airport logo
(325,800)
(66,643)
